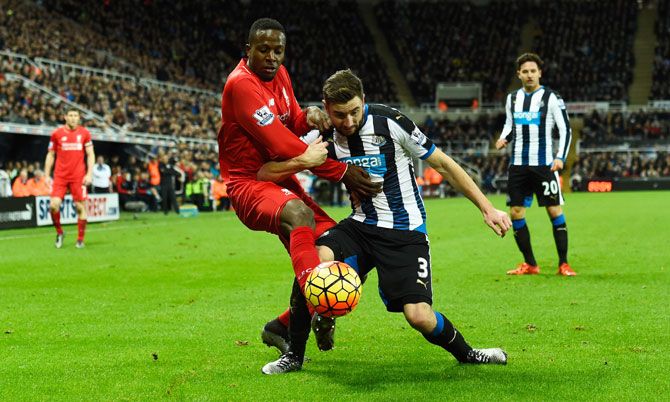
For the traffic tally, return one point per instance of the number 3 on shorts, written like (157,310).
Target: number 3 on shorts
(550,187)
(423,268)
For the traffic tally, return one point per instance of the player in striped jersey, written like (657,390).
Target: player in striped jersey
(388,231)
(532,112)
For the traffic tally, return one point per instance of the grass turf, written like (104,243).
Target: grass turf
(161,307)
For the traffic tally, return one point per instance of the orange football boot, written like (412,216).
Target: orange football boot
(565,270)
(525,269)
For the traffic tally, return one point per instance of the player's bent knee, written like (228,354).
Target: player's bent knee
(420,316)
(325,253)
(295,213)
(554,211)
(517,212)
(54,204)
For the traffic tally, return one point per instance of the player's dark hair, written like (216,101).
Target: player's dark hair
(342,87)
(526,57)
(71,109)
(262,24)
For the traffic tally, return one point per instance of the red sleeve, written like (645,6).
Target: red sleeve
(257,120)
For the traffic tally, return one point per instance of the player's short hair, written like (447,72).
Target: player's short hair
(262,24)
(71,109)
(342,87)
(526,57)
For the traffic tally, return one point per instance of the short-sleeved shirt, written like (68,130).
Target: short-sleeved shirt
(70,149)
(385,146)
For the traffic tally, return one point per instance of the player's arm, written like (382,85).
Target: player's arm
(90,162)
(497,220)
(266,128)
(49,163)
(314,155)
(560,114)
(507,128)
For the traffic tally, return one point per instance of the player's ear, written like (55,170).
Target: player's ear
(247,49)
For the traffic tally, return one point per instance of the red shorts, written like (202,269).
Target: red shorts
(258,204)
(77,189)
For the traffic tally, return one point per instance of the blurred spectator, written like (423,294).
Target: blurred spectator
(102,174)
(146,192)
(220,194)
(39,184)
(5,183)
(21,186)
(170,174)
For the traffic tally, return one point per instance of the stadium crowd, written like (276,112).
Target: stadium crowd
(660,88)
(585,58)
(601,129)
(445,41)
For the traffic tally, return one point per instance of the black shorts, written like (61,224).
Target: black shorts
(524,181)
(402,259)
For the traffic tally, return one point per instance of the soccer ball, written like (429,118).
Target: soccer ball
(333,289)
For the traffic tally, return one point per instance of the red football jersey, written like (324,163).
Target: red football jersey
(70,149)
(261,121)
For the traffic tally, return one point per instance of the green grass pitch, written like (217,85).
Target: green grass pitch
(171,308)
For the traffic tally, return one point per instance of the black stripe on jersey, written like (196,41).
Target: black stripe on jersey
(525,131)
(568,133)
(512,102)
(417,193)
(403,121)
(542,138)
(356,148)
(391,186)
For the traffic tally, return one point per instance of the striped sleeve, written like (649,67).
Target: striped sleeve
(507,128)
(560,114)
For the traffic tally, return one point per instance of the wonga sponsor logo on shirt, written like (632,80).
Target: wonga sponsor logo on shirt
(527,118)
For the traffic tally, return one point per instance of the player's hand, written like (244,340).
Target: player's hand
(358,182)
(497,220)
(87,180)
(315,154)
(317,118)
(557,165)
(501,143)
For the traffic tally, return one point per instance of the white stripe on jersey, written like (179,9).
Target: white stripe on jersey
(385,150)
(530,119)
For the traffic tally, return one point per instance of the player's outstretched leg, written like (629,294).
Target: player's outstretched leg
(438,330)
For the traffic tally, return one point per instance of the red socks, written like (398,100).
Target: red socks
(55,217)
(284,317)
(304,256)
(81,226)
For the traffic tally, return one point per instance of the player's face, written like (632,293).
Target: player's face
(72,119)
(529,74)
(266,53)
(346,117)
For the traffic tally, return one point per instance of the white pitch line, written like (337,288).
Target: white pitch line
(93,229)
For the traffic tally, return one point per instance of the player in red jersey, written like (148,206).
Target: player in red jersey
(68,145)
(261,121)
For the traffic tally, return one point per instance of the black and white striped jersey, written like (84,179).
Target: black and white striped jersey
(385,146)
(530,120)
